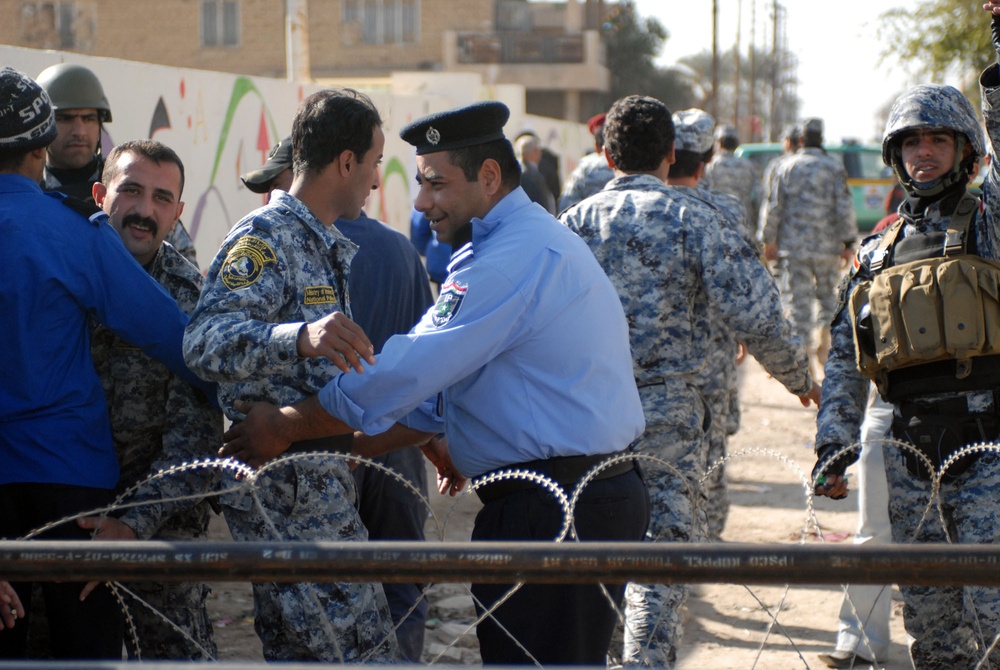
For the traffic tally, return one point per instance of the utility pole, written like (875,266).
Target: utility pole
(736,67)
(753,71)
(297,66)
(714,102)
(775,70)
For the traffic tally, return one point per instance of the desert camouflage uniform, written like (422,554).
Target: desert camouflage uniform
(159,422)
(736,176)
(277,268)
(674,263)
(950,627)
(589,177)
(810,216)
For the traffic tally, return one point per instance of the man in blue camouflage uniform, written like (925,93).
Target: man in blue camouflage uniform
(810,228)
(733,174)
(491,366)
(791,140)
(390,292)
(693,143)
(157,421)
(591,173)
(271,325)
(676,264)
(932,141)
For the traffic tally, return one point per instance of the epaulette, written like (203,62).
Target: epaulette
(88,209)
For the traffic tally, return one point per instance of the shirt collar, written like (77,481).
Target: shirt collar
(484,227)
(328,234)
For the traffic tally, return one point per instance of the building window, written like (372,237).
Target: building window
(220,23)
(58,25)
(384,21)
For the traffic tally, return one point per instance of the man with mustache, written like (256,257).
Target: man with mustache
(157,421)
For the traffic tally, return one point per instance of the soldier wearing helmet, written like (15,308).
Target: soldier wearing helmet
(73,162)
(912,320)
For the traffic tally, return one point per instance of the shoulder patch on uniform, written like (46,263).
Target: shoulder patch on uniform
(319,295)
(448,302)
(245,262)
(85,207)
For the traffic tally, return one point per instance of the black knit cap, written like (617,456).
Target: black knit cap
(279,159)
(26,117)
(478,123)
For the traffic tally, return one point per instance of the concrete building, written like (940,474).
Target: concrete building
(553,49)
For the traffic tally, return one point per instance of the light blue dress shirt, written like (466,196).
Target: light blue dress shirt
(525,355)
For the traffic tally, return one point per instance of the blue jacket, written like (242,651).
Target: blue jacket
(57,270)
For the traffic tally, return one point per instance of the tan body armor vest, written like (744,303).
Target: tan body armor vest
(927,310)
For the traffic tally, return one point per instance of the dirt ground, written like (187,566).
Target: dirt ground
(727,625)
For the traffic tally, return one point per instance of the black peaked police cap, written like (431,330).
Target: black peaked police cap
(478,123)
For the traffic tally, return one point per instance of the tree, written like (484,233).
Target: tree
(939,37)
(632,46)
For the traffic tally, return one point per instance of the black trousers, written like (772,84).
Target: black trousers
(91,629)
(557,623)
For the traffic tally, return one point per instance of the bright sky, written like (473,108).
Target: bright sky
(835,42)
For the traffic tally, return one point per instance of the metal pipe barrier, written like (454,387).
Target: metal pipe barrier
(500,562)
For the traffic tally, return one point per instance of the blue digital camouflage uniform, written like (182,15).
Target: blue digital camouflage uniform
(950,627)
(589,177)
(157,422)
(810,216)
(737,176)
(675,263)
(721,383)
(278,268)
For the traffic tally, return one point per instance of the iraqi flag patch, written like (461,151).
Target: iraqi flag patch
(448,303)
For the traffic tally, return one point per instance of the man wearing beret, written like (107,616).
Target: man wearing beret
(491,365)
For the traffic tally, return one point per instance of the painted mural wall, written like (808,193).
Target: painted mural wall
(223,125)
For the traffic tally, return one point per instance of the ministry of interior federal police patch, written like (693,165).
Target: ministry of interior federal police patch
(245,261)
(448,302)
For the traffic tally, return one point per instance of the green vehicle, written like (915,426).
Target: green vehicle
(868,178)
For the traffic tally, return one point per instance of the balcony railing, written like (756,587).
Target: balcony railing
(520,48)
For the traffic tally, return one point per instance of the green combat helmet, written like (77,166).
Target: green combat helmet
(74,87)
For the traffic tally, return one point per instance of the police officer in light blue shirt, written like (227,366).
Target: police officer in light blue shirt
(523,362)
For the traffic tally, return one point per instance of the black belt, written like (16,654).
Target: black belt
(336,443)
(980,372)
(567,471)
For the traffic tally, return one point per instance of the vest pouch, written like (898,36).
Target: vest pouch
(887,323)
(963,317)
(864,332)
(920,309)
(989,292)
(939,436)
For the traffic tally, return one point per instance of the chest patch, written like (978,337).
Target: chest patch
(245,262)
(319,295)
(448,303)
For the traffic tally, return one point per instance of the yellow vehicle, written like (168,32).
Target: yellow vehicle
(868,178)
